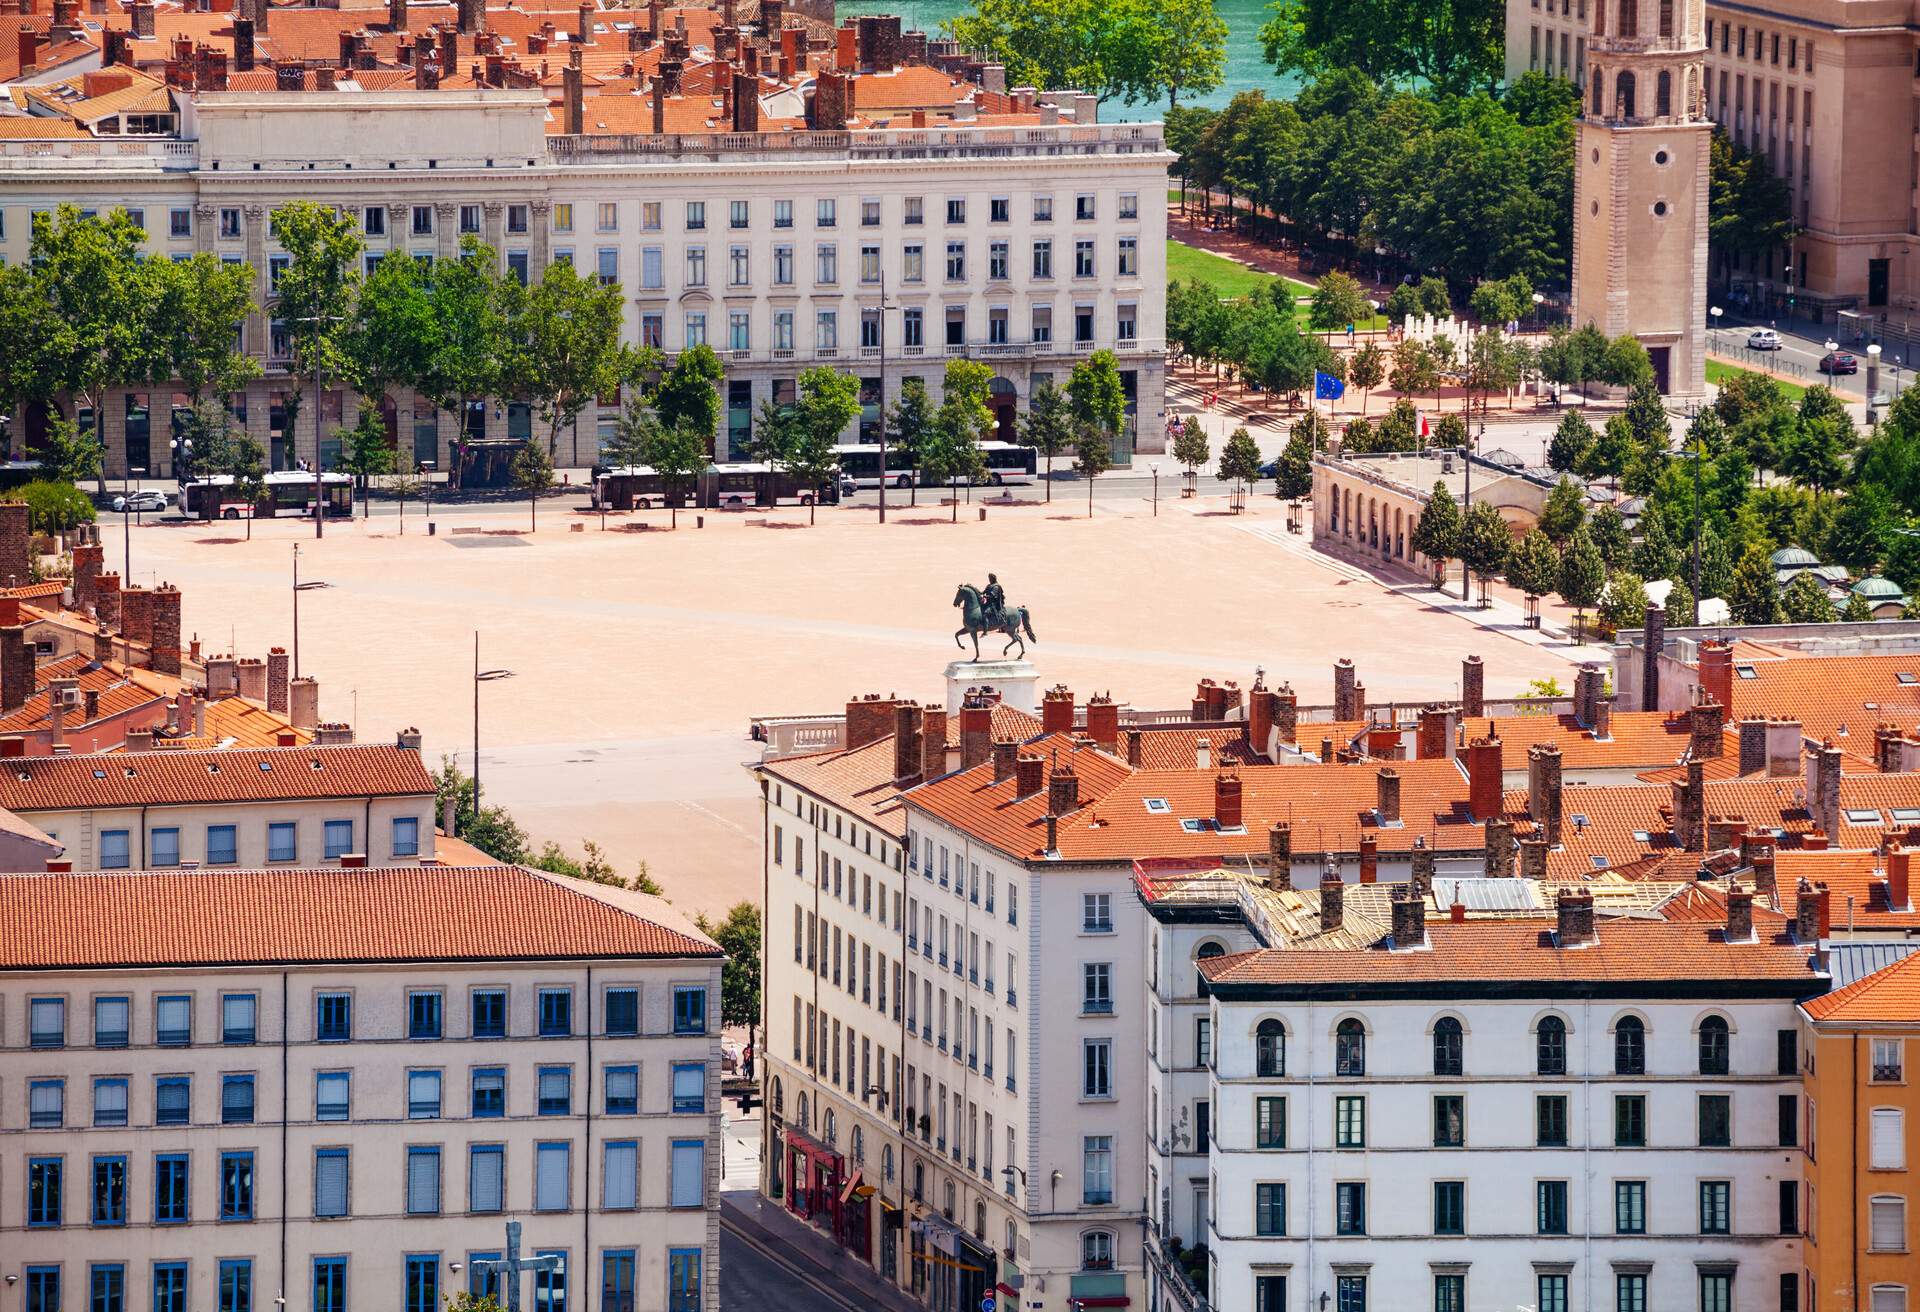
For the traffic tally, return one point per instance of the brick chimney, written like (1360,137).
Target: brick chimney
(136,615)
(869,719)
(106,600)
(573,116)
(583,23)
(1005,753)
(1369,857)
(277,669)
(1483,777)
(16,668)
(1030,775)
(907,721)
(1653,644)
(1056,710)
(1811,918)
(1724,832)
(1544,789)
(1280,857)
(1409,918)
(1533,857)
(1386,798)
(1756,851)
(933,742)
(1333,899)
(396,15)
(102,644)
(1499,850)
(771,16)
(252,674)
(1286,713)
(746,102)
(657,97)
(1343,681)
(27,46)
(1739,915)
(1133,748)
(1899,881)
(290,76)
(1589,685)
(1473,686)
(1063,789)
(164,608)
(1430,739)
(1823,788)
(1753,746)
(1706,723)
(1576,918)
(1690,809)
(304,694)
(143,20)
(976,733)
(1422,877)
(139,740)
(1785,743)
(832,102)
(1103,721)
(1716,671)
(1226,801)
(243,57)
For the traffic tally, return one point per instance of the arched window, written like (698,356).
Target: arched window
(1629,1047)
(829,1129)
(1629,25)
(886,1161)
(1598,107)
(946,1200)
(1663,94)
(776,1096)
(919,1182)
(858,1151)
(1550,1046)
(1449,1047)
(1206,952)
(1714,1046)
(1096,1250)
(1350,1048)
(1666,18)
(1269,1050)
(800,1114)
(979,1220)
(1623,95)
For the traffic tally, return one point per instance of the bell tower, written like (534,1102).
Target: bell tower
(1640,184)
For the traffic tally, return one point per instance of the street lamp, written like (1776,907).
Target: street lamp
(1538,301)
(311,585)
(425,470)
(1873,381)
(1716,312)
(1155,467)
(126,516)
(480,676)
(319,507)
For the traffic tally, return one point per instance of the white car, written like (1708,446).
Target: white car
(141,501)
(1763,339)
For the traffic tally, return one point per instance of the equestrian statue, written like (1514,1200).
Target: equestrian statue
(985,610)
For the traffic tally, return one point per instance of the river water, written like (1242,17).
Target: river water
(1246,67)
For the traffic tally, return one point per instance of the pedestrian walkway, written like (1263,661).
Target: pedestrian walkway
(768,1225)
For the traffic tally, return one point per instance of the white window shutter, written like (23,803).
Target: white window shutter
(1889,1149)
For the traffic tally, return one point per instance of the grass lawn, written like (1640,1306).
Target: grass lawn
(1230,279)
(1719,374)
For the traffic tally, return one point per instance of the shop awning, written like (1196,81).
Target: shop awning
(852,1180)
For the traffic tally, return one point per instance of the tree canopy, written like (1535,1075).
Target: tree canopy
(1451,45)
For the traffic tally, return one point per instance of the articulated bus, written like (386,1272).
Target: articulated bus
(734,486)
(288,492)
(1006,462)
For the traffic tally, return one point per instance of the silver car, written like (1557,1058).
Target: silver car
(1763,339)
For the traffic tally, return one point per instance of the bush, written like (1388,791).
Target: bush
(54,507)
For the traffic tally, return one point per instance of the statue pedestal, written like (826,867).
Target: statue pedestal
(1017,682)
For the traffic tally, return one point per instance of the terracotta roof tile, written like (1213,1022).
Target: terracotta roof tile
(50,783)
(859,781)
(1891,993)
(258,917)
(970,800)
(1838,697)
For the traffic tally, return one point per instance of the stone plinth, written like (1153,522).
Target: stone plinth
(1017,682)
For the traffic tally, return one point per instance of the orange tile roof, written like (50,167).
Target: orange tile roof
(128,920)
(117,696)
(1856,887)
(1636,954)
(1890,994)
(859,781)
(970,800)
(1177,748)
(1634,738)
(23,127)
(915,86)
(1706,902)
(1838,697)
(1008,722)
(174,776)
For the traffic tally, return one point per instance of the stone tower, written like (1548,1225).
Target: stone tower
(1640,184)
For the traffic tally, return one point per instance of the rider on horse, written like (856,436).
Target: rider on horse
(993,602)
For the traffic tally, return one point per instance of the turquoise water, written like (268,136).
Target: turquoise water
(1246,68)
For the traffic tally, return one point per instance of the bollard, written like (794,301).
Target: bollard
(699,521)
(576,528)
(432,528)
(983,514)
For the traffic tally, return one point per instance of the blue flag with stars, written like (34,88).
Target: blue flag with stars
(1327,388)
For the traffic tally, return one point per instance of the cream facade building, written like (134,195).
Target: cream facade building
(884,252)
(330,1090)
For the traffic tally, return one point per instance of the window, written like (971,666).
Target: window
(339,833)
(172,1100)
(1715,1120)
(556,1090)
(825,212)
(333,1017)
(237,1017)
(47,1023)
(1096,1080)
(1789,1115)
(739,330)
(689,1087)
(1714,1045)
(620,1178)
(169,1287)
(1716,1291)
(1350,1122)
(406,835)
(1350,1294)
(556,1013)
(332,1095)
(1096,913)
(1630,1291)
(423,1095)
(1449,1207)
(1270,1050)
(106,1287)
(1269,1122)
(1629,1207)
(1043,209)
(1887,1149)
(109,1191)
(689,1009)
(330,1173)
(173,1021)
(1786,1052)
(1550,1207)
(487,1092)
(221,845)
(1203,1043)
(1449,1121)
(696,216)
(423,1271)
(424,1015)
(552,1186)
(696,267)
(330,1284)
(1716,1206)
(1096,991)
(1887,1225)
(109,1102)
(1789,1207)
(683,1280)
(999,261)
(46,1104)
(115,852)
(737,214)
(170,1195)
(111,1017)
(1448,1046)
(1887,1067)
(1350,1048)
(423,1181)
(1096,1170)
(1630,1120)
(517,217)
(486,1177)
(687,1185)
(1449,1292)
(1096,1250)
(1270,1209)
(165,845)
(1129,205)
(739,266)
(1350,1208)
(1629,1047)
(1083,259)
(1128,259)
(956,261)
(236,1100)
(623,1090)
(236,1285)
(236,1186)
(489,1014)
(616,1278)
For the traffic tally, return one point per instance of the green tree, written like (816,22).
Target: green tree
(51,508)
(366,452)
(69,453)
(1403,302)
(1485,543)
(1415,370)
(1293,472)
(533,474)
(1627,363)
(1573,438)
(1366,370)
(1574,358)
(1716,564)
(1050,44)
(1861,528)
(1646,416)
(199,307)
(390,338)
(1451,431)
(1190,446)
(1749,209)
(247,466)
(678,455)
(1819,451)
(567,349)
(492,829)
(1625,604)
(1583,575)
(689,393)
(1856,611)
(1399,428)
(739,936)
(1610,453)
(1240,458)
(1753,596)
(829,401)
(1164,46)
(1655,556)
(1533,566)
(1564,512)
(1338,302)
(1093,456)
(1048,427)
(1357,438)
(314,296)
(1804,601)
(475,312)
(1890,456)
(1435,299)
(1608,530)
(961,421)
(1681,609)
(1437,533)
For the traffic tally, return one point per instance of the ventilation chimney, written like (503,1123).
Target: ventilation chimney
(1386,806)
(1030,775)
(1409,918)
(1343,681)
(1280,857)
(1484,778)
(907,721)
(1369,857)
(1422,877)
(1899,883)
(1753,746)
(1544,789)
(1103,722)
(1706,724)
(1589,683)
(1533,857)
(1056,710)
(573,118)
(1226,801)
(976,733)
(1499,855)
(1576,918)
(1653,645)
(1716,671)
(1063,789)
(1823,788)
(1005,750)
(1133,748)
(1473,686)
(1811,919)
(1333,899)
(933,742)
(1739,916)
(869,719)
(1286,713)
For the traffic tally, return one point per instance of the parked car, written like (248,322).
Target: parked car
(1763,339)
(141,501)
(1839,362)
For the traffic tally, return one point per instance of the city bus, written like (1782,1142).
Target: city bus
(1006,462)
(287,492)
(628,487)
(737,485)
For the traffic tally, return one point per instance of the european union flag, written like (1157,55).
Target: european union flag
(1327,388)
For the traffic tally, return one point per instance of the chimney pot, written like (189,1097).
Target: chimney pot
(1576,918)
(1280,857)
(1030,775)
(1005,751)
(1739,915)
(1063,791)
(1333,897)
(1484,777)
(1387,795)
(1226,801)
(1056,710)
(1409,918)
(1473,686)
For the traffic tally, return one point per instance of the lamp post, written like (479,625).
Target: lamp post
(311,585)
(1155,467)
(480,676)
(1873,382)
(126,517)
(881,399)
(1538,301)
(1716,312)
(425,471)
(319,355)
(507,1270)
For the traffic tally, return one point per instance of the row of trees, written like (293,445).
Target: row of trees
(1137,50)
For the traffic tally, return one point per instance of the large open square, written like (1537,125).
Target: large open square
(641,655)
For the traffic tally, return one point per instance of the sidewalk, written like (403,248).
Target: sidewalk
(769,1225)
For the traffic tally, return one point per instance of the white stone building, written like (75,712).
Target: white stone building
(331,1089)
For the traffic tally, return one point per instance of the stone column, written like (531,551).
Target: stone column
(446,229)
(257,332)
(493,230)
(541,219)
(205,221)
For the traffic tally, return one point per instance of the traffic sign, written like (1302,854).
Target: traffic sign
(986,1304)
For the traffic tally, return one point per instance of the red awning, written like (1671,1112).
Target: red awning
(813,1148)
(852,1180)
(1008,1290)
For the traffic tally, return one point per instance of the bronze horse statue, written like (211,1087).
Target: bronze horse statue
(1010,622)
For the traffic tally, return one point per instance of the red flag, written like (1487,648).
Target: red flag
(1423,425)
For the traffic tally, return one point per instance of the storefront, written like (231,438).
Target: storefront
(959,1271)
(815,1181)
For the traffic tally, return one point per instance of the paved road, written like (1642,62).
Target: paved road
(1799,355)
(768,1261)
